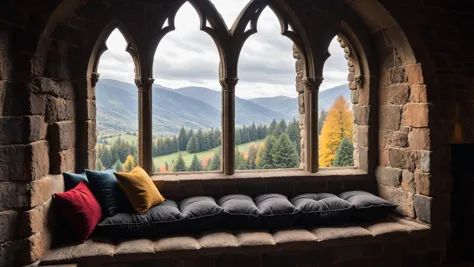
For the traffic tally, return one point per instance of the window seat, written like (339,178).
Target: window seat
(255,244)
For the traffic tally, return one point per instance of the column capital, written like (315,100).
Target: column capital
(312,84)
(94,79)
(144,84)
(228,84)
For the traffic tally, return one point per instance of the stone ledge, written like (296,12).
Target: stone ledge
(242,242)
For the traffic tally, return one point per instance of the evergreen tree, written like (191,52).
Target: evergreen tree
(135,159)
(266,160)
(216,163)
(208,163)
(272,127)
(293,131)
(195,165)
(243,165)
(321,119)
(107,158)
(264,132)
(282,125)
(259,132)
(98,165)
(253,132)
(217,138)
(180,165)
(238,158)
(205,145)
(129,164)
(114,152)
(344,154)
(200,138)
(166,165)
(193,145)
(277,131)
(118,166)
(339,123)
(284,153)
(245,135)
(238,138)
(252,158)
(182,139)
(175,144)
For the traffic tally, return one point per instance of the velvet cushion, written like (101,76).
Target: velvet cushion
(276,211)
(139,189)
(106,189)
(71,180)
(239,211)
(81,211)
(322,209)
(202,213)
(368,207)
(162,219)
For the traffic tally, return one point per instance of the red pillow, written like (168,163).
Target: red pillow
(80,210)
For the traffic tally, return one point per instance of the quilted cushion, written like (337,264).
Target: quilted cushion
(106,189)
(322,209)
(201,213)
(80,210)
(162,219)
(240,212)
(368,207)
(276,211)
(71,180)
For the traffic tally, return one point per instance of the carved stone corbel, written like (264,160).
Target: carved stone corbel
(94,79)
(144,84)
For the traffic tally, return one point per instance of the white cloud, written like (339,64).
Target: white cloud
(189,57)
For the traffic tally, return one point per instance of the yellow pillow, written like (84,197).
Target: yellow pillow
(139,189)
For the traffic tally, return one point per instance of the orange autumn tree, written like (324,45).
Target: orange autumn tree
(339,123)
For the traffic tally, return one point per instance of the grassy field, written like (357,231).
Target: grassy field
(203,156)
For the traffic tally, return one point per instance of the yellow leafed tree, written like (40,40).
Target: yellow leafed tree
(129,164)
(339,123)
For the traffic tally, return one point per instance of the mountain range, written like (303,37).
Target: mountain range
(192,107)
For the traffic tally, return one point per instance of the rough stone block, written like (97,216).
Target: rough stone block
(62,135)
(33,248)
(7,252)
(416,115)
(62,161)
(44,85)
(423,208)
(355,96)
(24,162)
(418,93)
(18,101)
(399,139)
(402,158)
(361,115)
(34,220)
(398,94)
(425,162)
(403,199)
(423,183)
(388,176)
(41,191)
(7,225)
(20,130)
(390,117)
(398,75)
(362,135)
(414,73)
(58,109)
(90,134)
(420,139)
(408,181)
(13,195)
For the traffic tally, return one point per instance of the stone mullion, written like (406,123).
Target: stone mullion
(228,124)
(311,114)
(145,159)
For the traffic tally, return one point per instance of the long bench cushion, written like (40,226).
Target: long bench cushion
(202,213)
(276,211)
(240,212)
(368,207)
(322,209)
(162,219)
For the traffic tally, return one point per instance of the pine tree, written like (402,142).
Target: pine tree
(259,132)
(293,131)
(344,154)
(264,132)
(237,158)
(180,165)
(129,164)
(217,137)
(338,123)
(284,152)
(283,125)
(208,164)
(238,138)
(107,158)
(272,127)
(195,165)
(216,163)
(321,119)
(175,144)
(245,135)
(193,145)
(182,139)
(205,145)
(135,159)
(252,158)
(118,166)
(166,165)
(98,165)
(266,160)
(277,131)
(253,132)
(200,138)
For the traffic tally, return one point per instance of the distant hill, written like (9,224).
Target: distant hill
(192,107)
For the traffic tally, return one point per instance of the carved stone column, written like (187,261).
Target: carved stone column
(311,87)
(299,66)
(228,124)
(145,160)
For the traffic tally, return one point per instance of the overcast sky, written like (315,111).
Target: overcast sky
(188,57)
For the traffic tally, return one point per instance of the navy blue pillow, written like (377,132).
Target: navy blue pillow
(240,212)
(108,193)
(322,209)
(276,211)
(71,180)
